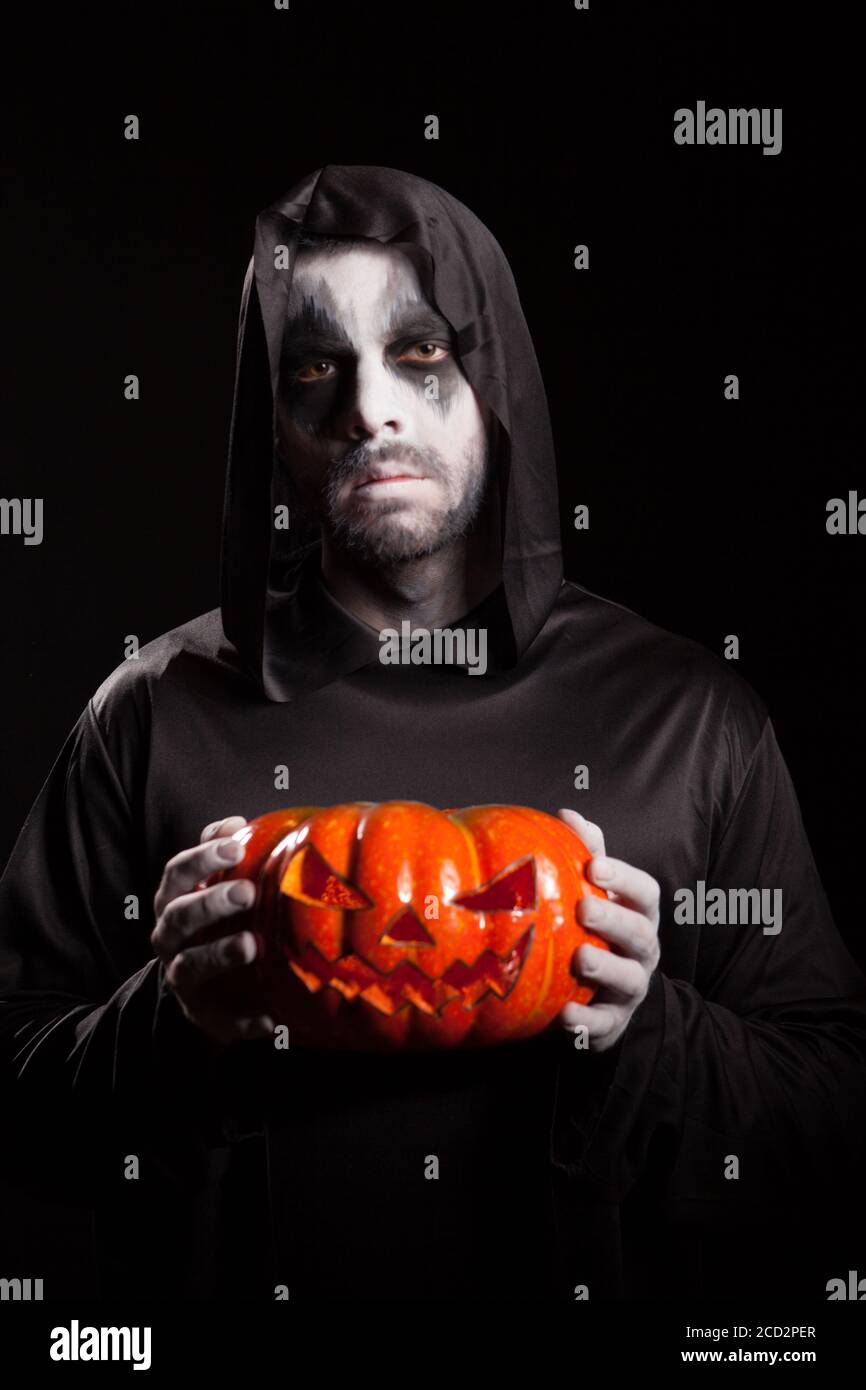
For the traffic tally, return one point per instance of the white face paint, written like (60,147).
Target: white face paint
(383,437)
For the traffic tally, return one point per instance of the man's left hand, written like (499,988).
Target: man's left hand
(630,922)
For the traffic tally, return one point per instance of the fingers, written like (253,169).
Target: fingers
(627,978)
(227,826)
(189,866)
(633,887)
(630,931)
(628,919)
(190,969)
(604,1022)
(590,833)
(628,884)
(184,917)
(229,1030)
(190,972)
(260,1027)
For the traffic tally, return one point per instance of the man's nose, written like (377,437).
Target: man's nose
(375,404)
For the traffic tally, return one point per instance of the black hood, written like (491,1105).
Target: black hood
(464,274)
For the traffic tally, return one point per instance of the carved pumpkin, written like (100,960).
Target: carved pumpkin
(395,925)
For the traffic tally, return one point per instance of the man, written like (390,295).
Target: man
(388,394)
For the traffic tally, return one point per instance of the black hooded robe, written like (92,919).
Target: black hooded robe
(558,1168)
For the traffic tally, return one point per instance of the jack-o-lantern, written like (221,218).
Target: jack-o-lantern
(392,925)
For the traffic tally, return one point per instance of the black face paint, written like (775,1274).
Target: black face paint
(413,324)
(314,335)
(313,332)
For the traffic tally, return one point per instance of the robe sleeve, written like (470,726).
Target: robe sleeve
(762,1058)
(97,1061)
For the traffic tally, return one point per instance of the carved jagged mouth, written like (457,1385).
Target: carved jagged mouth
(406,984)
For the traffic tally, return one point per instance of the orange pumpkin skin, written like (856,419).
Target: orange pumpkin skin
(396,926)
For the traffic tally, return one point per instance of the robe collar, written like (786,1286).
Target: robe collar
(312,639)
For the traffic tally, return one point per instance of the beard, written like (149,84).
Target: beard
(391,532)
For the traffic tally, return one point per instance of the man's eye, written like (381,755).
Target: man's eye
(315,371)
(423,352)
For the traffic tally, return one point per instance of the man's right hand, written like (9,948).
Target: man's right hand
(192,972)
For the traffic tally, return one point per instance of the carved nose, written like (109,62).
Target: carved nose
(406,929)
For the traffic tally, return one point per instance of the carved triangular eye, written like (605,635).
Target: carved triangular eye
(511,891)
(310,878)
(406,929)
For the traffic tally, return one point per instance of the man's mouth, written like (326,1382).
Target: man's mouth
(380,478)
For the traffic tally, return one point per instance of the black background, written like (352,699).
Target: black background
(556,128)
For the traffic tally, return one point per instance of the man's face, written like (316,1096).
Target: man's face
(384,438)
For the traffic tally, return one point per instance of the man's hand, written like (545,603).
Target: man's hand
(630,922)
(192,972)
